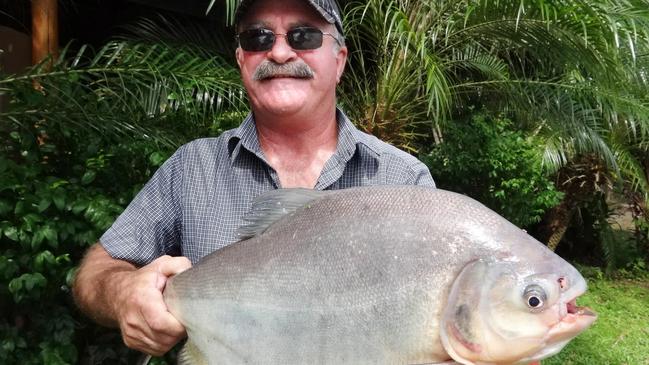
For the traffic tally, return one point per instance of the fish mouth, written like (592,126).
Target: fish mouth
(574,310)
(573,319)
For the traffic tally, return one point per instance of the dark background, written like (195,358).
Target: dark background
(95,21)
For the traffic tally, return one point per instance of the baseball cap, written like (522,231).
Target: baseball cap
(328,9)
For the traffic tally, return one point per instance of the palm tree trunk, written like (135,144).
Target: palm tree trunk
(45,30)
(556,223)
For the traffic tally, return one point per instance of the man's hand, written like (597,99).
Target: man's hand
(116,293)
(142,315)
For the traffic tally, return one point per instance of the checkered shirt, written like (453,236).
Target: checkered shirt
(197,199)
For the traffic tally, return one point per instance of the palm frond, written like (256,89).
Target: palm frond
(570,72)
(230,8)
(126,89)
(182,32)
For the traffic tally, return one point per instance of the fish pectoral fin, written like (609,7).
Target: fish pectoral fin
(191,355)
(270,207)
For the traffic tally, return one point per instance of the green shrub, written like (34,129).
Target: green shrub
(78,141)
(59,190)
(485,158)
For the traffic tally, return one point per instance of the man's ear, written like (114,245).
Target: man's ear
(341,61)
(239,55)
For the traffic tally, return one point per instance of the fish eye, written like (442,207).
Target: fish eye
(534,296)
(534,302)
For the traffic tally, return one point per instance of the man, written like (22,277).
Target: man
(291,55)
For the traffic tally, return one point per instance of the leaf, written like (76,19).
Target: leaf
(59,199)
(73,77)
(5,207)
(63,259)
(157,158)
(79,206)
(15,285)
(59,183)
(51,236)
(11,233)
(8,346)
(88,177)
(37,239)
(20,208)
(34,280)
(31,221)
(42,259)
(69,276)
(27,285)
(7,267)
(44,204)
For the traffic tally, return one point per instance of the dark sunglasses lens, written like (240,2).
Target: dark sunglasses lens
(305,38)
(255,40)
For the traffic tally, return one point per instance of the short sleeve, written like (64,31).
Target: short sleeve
(422,176)
(151,224)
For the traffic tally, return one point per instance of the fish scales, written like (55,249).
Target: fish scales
(356,276)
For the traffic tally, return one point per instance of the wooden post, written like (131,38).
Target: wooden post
(45,30)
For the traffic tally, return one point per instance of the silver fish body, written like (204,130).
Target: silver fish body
(377,275)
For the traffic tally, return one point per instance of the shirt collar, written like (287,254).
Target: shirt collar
(347,138)
(246,136)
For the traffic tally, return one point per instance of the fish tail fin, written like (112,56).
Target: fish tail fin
(191,355)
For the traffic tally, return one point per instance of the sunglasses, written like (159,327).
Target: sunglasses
(301,38)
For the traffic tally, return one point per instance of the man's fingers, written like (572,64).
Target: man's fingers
(169,266)
(161,325)
(159,320)
(156,333)
(144,344)
(146,324)
(140,337)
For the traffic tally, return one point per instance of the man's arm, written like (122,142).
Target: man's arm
(115,293)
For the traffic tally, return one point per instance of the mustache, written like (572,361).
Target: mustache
(269,69)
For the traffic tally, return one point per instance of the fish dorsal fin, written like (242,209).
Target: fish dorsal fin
(270,207)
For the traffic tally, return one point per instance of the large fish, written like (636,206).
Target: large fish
(377,275)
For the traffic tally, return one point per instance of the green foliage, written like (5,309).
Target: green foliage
(487,159)
(127,89)
(74,151)
(60,189)
(572,72)
(601,232)
(77,142)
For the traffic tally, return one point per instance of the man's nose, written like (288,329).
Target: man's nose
(281,52)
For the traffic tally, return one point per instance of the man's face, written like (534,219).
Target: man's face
(287,95)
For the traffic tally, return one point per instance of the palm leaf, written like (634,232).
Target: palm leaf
(126,89)
(571,73)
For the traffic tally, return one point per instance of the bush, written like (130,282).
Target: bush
(60,189)
(78,141)
(485,158)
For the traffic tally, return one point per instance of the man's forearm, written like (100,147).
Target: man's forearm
(97,283)
(118,294)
